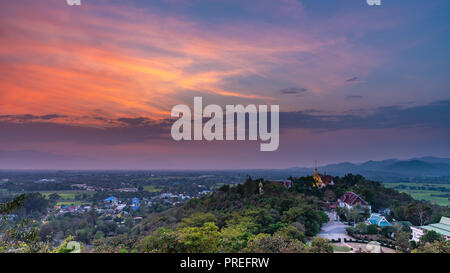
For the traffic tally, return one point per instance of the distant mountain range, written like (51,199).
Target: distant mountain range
(385,170)
(415,167)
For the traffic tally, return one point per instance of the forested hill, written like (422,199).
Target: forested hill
(238,218)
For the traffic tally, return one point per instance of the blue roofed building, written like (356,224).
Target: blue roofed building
(135,203)
(111,200)
(443,227)
(379,220)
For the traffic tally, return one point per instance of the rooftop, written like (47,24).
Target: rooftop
(443,227)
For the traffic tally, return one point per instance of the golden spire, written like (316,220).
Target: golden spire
(316,175)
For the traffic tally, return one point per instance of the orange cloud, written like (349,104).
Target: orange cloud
(118,61)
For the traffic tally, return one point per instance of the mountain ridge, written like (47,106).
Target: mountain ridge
(427,166)
(419,166)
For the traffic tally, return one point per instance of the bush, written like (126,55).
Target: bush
(372,229)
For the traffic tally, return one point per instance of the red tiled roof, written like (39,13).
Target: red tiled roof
(352,198)
(326,179)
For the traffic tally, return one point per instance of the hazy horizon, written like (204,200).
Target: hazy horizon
(84,162)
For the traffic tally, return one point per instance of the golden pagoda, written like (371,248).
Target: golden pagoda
(317,178)
(321,181)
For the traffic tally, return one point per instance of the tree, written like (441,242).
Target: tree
(54,197)
(291,233)
(99,235)
(197,219)
(162,240)
(84,235)
(362,228)
(320,245)
(329,196)
(441,246)
(203,239)
(263,217)
(306,215)
(245,221)
(429,236)
(46,232)
(23,237)
(264,243)
(234,239)
(418,213)
(354,215)
(250,187)
(17,203)
(342,212)
(323,217)
(388,231)
(36,202)
(372,229)
(402,241)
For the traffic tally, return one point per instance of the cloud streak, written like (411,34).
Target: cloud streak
(140,130)
(118,57)
(293,90)
(434,115)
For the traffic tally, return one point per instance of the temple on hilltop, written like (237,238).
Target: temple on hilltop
(322,180)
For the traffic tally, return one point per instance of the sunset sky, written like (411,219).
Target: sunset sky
(92,86)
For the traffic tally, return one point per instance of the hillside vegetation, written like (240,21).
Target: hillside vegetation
(240,219)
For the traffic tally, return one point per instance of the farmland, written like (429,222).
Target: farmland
(431,192)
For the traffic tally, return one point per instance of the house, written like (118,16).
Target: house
(417,232)
(443,227)
(112,200)
(183,197)
(11,217)
(46,180)
(378,219)
(72,209)
(135,203)
(204,192)
(79,186)
(127,190)
(350,200)
(167,195)
(120,207)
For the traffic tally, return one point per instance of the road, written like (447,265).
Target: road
(333,229)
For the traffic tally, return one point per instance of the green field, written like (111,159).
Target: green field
(151,188)
(425,191)
(66,195)
(340,248)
